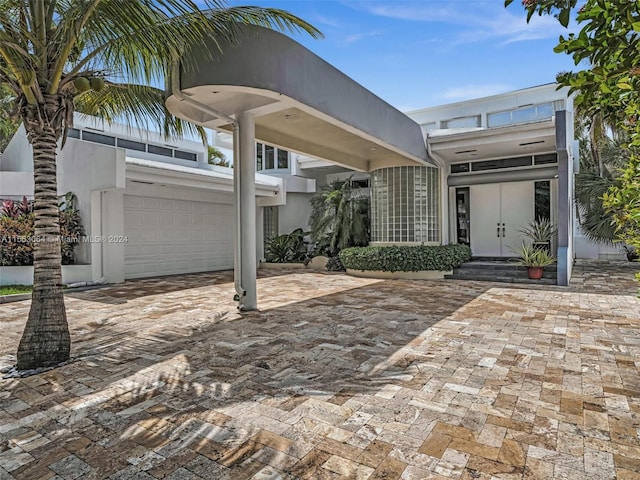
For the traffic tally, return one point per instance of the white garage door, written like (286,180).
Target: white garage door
(166,237)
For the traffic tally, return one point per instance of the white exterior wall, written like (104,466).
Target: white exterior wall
(97,174)
(586,249)
(82,169)
(295,214)
(16,184)
(14,159)
(483,106)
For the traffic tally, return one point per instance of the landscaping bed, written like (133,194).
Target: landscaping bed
(376,260)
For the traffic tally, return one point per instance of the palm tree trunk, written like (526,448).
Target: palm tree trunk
(596,134)
(45,340)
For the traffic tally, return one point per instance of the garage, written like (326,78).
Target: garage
(167,236)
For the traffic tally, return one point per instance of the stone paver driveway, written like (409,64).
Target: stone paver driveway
(335,377)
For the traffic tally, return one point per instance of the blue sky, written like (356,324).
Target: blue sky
(420,53)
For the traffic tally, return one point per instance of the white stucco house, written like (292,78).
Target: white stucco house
(473,172)
(149,206)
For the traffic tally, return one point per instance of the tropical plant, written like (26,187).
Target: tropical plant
(12,209)
(17,236)
(8,123)
(16,247)
(540,230)
(99,56)
(603,152)
(71,228)
(624,203)
(528,256)
(339,217)
(285,248)
(608,45)
(215,156)
(277,249)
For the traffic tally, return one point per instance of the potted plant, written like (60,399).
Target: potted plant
(534,259)
(540,231)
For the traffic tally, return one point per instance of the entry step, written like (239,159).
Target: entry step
(501,271)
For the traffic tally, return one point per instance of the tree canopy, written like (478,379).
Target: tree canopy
(607,50)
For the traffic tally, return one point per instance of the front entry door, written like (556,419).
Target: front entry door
(498,211)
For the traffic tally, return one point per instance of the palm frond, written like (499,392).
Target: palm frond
(595,221)
(46,45)
(138,105)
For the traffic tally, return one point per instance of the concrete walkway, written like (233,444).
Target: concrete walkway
(336,377)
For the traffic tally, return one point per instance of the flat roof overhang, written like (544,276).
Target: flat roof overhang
(160,173)
(480,144)
(299,101)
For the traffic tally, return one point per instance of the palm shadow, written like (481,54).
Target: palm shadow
(231,391)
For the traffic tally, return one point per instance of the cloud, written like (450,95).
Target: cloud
(479,20)
(356,37)
(330,22)
(466,92)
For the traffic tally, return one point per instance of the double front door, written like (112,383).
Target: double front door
(497,212)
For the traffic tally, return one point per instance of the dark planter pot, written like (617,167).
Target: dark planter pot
(632,256)
(535,273)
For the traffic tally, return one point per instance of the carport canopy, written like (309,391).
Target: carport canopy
(299,102)
(265,86)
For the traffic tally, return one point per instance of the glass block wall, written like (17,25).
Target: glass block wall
(405,205)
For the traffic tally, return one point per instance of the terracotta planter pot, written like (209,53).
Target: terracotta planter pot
(535,273)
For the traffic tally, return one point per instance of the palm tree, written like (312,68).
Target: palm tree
(602,153)
(339,217)
(99,56)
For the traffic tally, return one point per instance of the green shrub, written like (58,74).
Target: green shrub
(287,248)
(405,258)
(17,231)
(16,247)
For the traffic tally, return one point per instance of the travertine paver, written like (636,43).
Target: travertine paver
(335,377)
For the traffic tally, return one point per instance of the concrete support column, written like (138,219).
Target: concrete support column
(245,205)
(565,171)
(112,223)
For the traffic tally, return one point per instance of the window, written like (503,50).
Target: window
(544,159)
(73,133)
(460,168)
(405,204)
(270,223)
(501,163)
(529,113)
(185,155)
(543,200)
(462,122)
(167,152)
(259,156)
(269,157)
(283,159)
(360,183)
(131,145)
(98,138)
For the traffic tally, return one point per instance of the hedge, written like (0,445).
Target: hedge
(405,258)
